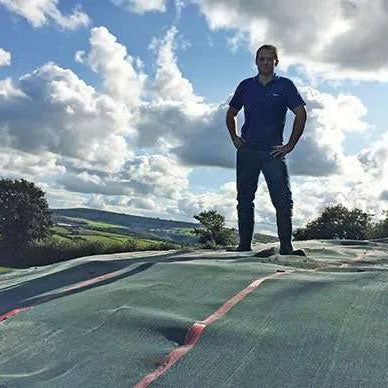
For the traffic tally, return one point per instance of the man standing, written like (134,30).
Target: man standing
(265,98)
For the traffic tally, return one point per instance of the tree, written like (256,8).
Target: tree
(380,228)
(213,228)
(337,222)
(24,214)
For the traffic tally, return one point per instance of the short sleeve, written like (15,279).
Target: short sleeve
(294,99)
(237,101)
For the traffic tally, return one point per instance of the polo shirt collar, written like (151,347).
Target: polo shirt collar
(275,78)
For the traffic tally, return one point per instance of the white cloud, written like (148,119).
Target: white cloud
(5,58)
(151,184)
(170,86)
(330,118)
(142,6)
(142,203)
(156,175)
(39,12)
(322,37)
(80,56)
(8,90)
(53,110)
(108,58)
(44,164)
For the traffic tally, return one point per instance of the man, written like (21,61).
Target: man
(265,98)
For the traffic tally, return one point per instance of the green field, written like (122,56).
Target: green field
(83,239)
(4,270)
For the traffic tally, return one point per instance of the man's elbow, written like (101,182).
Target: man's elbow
(232,112)
(300,113)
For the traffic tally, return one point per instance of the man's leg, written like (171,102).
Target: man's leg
(247,171)
(278,182)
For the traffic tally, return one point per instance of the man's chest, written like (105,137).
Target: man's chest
(271,96)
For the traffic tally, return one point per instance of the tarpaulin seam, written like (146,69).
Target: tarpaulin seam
(17,310)
(195,331)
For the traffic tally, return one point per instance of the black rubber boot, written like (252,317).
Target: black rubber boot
(284,224)
(245,227)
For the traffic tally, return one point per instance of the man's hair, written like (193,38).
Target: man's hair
(268,47)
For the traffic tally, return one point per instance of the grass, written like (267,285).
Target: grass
(5,269)
(100,224)
(67,243)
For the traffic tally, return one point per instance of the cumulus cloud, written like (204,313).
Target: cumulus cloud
(5,58)
(89,183)
(44,164)
(8,91)
(151,183)
(317,35)
(169,85)
(145,180)
(330,118)
(123,78)
(141,6)
(88,133)
(156,175)
(54,110)
(40,12)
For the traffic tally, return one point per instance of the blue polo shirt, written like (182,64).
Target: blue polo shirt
(265,108)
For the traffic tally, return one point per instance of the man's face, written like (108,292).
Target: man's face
(266,61)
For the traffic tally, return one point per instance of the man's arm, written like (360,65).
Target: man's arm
(232,128)
(297,130)
(298,126)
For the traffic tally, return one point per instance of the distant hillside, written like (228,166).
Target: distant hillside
(177,231)
(126,220)
(136,226)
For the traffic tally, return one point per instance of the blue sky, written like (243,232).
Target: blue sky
(120,105)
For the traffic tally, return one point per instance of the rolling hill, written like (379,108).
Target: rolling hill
(143,227)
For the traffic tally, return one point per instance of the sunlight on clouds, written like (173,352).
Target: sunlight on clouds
(123,79)
(41,122)
(336,28)
(38,12)
(169,84)
(325,38)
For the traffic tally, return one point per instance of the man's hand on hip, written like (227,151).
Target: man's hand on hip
(280,151)
(238,142)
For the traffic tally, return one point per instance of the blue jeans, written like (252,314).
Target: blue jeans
(250,162)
